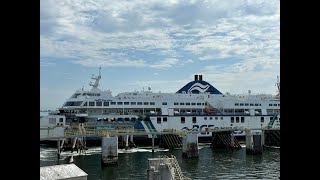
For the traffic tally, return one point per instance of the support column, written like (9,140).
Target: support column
(190,145)
(262,138)
(131,138)
(127,142)
(109,148)
(253,142)
(232,140)
(152,143)
(58,154)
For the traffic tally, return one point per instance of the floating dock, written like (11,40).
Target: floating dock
(64,171)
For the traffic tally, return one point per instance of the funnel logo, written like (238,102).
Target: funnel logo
(199,87)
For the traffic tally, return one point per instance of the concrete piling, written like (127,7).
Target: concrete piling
(109,148)
(190,145)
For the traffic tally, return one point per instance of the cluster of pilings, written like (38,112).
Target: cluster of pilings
(73,144)
(125,142)
(272,138)
(170,141)
(224,139)
(256,140)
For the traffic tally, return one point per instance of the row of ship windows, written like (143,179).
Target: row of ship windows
(247,104)
(232,119)
(182,120)
(105,103)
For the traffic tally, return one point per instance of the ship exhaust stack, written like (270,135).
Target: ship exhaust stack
(196,77)
(200,77)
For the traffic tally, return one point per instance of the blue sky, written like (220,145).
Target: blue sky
(234,44)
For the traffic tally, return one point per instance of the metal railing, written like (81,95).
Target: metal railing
(92,131)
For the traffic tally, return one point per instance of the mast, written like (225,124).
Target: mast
(97,79)
(278,86)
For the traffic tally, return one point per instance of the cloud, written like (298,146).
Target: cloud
(130,33)
(166,63)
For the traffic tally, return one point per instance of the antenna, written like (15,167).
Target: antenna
(97,79)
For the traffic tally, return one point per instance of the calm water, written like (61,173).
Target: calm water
(211,164)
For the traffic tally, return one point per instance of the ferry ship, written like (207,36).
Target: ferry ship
(197,105)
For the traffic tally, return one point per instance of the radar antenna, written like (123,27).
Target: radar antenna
(97,79)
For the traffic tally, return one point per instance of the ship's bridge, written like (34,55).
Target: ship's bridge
(198,86)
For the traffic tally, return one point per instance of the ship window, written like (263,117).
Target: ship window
(202,104)
(278,104)
(194,119)
(146,119)
(139,103)
(251,104)
(120,119)
(99,103)
(242,119)
(85,104)
(105,119)
(205,118)
(270,104)
(91,103)
(152,103)
(232,119)
(176,103)
(74,103)
(259,104)
(159,120)
(256,104)
(199,104)
(105,103)
(193,103)
(145,103)
(165,119)
(126,119)
(216,118)
(275,105)
(52,120)
(246,104)
(221,118)
(183,120)
(164,103)
(133,103)
(113,103)
(76,95)
(236,104)
(119,103)
(133,119)
(60,119)
(126,103)
(205,103)
(210,118)
(237,119)
(181,103)
(241,104)
(262,119)
(188,104)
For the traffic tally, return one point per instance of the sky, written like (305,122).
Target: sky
(162,44)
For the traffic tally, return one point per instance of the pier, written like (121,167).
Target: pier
(185,139)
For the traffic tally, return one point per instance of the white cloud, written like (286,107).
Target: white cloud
(95,32)
(166,63)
